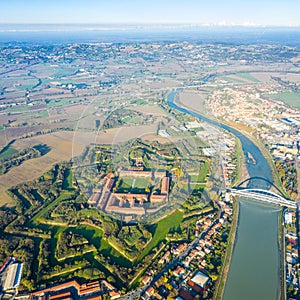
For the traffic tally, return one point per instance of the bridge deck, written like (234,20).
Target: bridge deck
(264,196)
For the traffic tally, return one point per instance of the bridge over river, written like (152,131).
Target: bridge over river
(261,194)
(264,196)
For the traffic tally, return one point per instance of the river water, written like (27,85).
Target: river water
(254,269)
(254,272)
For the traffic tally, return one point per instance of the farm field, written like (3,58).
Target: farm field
(7,152)
(248,77)
(194,99)
(61,146)
(290,98)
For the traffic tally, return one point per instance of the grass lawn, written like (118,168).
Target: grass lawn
(27,83)
(194,177)
(198,186)
(141,182)
(200,142)
(7,152)
(68,180)
(132,120)
(186,187)
(204,171)
(292,99)
(95,236)
(125,184)
(161,230)
(43,114)
(63,196)
(139,102)
(61,102)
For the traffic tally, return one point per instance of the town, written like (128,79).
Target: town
(108,192)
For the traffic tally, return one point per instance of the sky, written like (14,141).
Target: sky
(204,12)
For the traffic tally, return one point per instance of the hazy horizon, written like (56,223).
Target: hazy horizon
(216,12)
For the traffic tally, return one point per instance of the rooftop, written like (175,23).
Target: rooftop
(200,279)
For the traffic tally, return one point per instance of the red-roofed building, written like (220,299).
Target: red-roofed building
(179,271)
(150,291)
(73,290)
(165,184)
(179,249)
(184,294)
(114,295)
(195,287)
(146,280)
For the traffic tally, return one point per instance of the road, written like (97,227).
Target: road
(141,291)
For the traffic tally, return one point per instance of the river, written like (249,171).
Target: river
(254,268)
(260,169)
(254,271)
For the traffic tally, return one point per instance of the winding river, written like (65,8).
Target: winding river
(254,271)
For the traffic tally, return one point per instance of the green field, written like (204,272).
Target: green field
(68,180)
(63,196)
(247,76)
(139,184)
(125,184)
(42,114)
(27,83)
(161,230)
(7,152)
(201,176)
(204,171)
(139,102)
(95,236)
(62,102)
(230,79)
(292,99)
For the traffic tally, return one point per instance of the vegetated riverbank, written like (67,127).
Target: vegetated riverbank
(255,257)
(281,245)
(242,171)
(227,259)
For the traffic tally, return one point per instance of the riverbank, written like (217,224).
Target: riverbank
(218,295)
(281,245)
(255,258)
